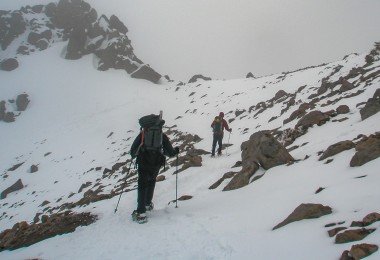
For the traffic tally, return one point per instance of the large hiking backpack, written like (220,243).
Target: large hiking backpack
(151,149)
(218,125)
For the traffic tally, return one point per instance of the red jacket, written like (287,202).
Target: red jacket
(224,124)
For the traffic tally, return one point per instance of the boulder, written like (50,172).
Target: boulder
(15,187)
(362,250)
(312,118)
(9,64)
(305,211)
(147,73)
(371,218)
(337,148)
(22,102)
(342,109)
(9,117)
(116,24)
(372,106)
(352,235)
(262,149)
(367,150)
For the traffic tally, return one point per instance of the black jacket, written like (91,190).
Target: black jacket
(149,158)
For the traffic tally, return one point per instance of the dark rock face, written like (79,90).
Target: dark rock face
(22,234)
(262,149)
(77,23)
(305,211)
(372,106)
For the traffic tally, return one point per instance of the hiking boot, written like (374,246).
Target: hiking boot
(149,207)
(139,217)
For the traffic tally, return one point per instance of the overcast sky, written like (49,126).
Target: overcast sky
(229,38)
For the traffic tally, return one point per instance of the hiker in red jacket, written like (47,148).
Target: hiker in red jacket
(218,126)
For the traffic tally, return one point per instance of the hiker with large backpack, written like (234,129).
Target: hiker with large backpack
(218,126)
(149,148)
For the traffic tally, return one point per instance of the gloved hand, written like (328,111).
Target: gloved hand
(176,150)
(230,130)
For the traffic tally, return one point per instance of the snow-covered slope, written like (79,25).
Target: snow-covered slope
(81,121)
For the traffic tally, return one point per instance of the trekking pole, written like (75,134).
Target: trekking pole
(228,143)
(125,181)
(176,182)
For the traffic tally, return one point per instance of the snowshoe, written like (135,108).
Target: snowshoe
(140,218)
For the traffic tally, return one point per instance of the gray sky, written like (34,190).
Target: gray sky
(229,38)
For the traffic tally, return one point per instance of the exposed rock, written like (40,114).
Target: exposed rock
(12,25)
(335,231)
(342,109)
(352,235)
(250,75)
(15,187)
(9,64)
(23,234)
(362,250)
(33,168)
(185,197)
(147,73)
(160,178)
(305,211)
(22,102)
(346,256)
(116,24)
(9,117)
(371,218)
(367,150)
(372,106)
(281,93)
(312,118)
(337,148)
(2,110)
(227,175)
(262,149)
(199,76)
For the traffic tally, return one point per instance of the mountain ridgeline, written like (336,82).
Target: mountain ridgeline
(36,28)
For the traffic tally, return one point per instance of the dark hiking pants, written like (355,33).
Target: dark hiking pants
(145,190)
(217,138)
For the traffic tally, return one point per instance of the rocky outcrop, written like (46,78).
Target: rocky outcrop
(262,149)
(22,234)
(313,118)
(22,102)
(367,150)
(9,64)
(337,148)
(85,32)
(305,211)
(372,106)
(352,235)
(195,78)
(14,187)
